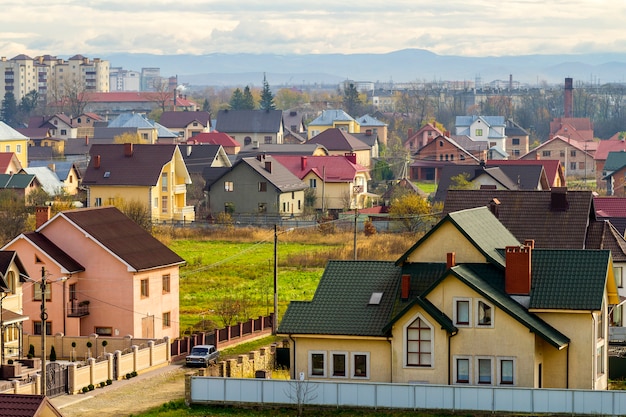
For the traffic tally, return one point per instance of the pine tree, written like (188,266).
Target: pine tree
(352,103)
(206,106)
(267,98)
(236,100)
(248,100)
(9,109)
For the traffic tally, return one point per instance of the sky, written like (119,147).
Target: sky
(474,28)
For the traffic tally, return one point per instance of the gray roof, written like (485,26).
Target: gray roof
(135,120)
(244,121)
(8,133)
(48,179)
(329,116)
(279,176)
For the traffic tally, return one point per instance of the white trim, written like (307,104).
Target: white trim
(331,364)
(455,358)
(310,368)
(477,313)
(368,370)
(499,360)
(455,301)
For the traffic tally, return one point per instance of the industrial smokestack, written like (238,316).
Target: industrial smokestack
(568,100)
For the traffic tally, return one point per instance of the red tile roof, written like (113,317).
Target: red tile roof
(5,161)
(610,206)
(606,146)
(214,138)
(133,96)
(328,168)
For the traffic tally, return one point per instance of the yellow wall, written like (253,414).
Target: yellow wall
(446,239)
(10,145)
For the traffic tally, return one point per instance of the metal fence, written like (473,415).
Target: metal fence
(212,390)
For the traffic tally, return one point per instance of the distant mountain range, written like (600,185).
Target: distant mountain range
(408,65)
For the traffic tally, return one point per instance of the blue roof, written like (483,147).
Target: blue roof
(329,116)
(132,120)
(368,120)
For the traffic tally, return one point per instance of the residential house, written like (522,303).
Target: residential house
(371,139)
(423,136)
(543,216)
(85,123)
(374,126)
(42,142)
(12,281)
(106,276)
(552,167)
(383,100)
(13,141)
(293,122)
(154,175)
(467,305)
(257,186)
(614,173)
(9,164)
(576,157)
(517,140)
(230,145)
(339,142)
(47,179)
(332,119)
(66,171)
(251,126)
(59,125)
(430,159)
(146,129)
(489,128)
(305,149)
(339,182)
(186,123)
(22,185)
(613,209)
(579,129)
(614,144)
(19,405)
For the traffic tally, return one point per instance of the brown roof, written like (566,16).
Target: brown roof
(67,263)
(601,234)
(142,168)
(25,405)
(123,237)
(337,140)
(173,119)
(555,219)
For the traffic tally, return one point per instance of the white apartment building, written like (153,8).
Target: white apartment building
(51,76)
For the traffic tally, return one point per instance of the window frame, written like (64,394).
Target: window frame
(144,288)
(262,186)
(37,327)
(167,319)
(477,318)
(455,370)
(229,186)
(455,313)
(108,330)
(407,352)
(353,357)
(346,364)
(477,363)
(324,362)
(500,373)
(312,182)
(166,280)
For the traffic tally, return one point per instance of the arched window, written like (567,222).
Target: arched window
(247,140)
(419,336)
(11,281)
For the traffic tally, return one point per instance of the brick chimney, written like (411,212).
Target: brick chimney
(268,166)
(558,199)
(86,140)
(568,99)
(303,163)
(406,286)
(42,215)
(96,162)
(450,259)
(409,133)
(128,149)
(517,276)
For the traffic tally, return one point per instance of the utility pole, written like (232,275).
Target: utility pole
(44,317)
(275,318)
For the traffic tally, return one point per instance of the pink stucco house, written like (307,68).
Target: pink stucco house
(106,276)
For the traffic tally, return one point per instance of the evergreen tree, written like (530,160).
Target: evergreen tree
(267,98)
(236,100)
(352,103)
(9,110)
(206,106)
(248,100)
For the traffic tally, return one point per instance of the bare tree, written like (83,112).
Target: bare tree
(301,392)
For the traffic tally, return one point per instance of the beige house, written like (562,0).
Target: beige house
(12,317)
(154,175)
(468,304)
(104,274)
(577,158)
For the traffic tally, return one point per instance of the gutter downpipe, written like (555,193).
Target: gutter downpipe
(391,356)
(567,369)
(294,357)
(450,357)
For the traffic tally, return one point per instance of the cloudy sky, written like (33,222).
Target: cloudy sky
(446,27)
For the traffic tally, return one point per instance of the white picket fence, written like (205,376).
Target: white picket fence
(213,390)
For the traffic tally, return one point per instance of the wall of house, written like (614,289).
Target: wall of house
(485,179)
(506,338)
(259,137)
(332,195)
(109,194)
(291,203)
(378,351)
(558,149)
(12,145)
(446,239)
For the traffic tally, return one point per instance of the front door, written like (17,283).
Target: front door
(147,327)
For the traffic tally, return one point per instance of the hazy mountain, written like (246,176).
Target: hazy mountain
(400,66)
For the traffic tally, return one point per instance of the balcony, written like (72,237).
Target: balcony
(186,214)
(180,188)
(77,309)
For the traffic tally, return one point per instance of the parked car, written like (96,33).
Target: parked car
(202,355)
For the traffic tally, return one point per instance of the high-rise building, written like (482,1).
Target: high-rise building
(124,80)
(51,77)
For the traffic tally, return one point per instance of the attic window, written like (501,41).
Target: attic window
(107,174)
(375,298)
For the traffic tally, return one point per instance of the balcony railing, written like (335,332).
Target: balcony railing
(77,309)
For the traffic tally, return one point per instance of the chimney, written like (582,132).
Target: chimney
(128,149)
(406,286)
(52,167)
(302,163)
(518,270)
(96,162)
(410,133)
(268,166)
(450,259)
(368,132)
(558,199)
(42,215)
(351,156)
(258,157)
(86,140)
(494,206)
(568,100)
(189,149)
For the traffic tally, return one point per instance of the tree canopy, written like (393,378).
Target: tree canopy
(267,98)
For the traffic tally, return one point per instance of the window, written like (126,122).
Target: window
(37,292)
(581,165)
(361,365)
(166,319)
(145,288)
(37,328)
(317,362)
(229,186)
(572,165)
(103,331)
(600,324)
(268,139)
(484,371)
(441,157)
(339,364)
(263,207)
(164,204)
(545,153)
(515,141)
(63,132)
(479,132)
(506,372)
(485,313)
(166,283)
(462,370)
(144,136)
(164,182)
(562,154)
(229,207)
(572,152)
(618,276)
(516,152)
(262,186)
(313,183)
(419,343)
(600,360)
(7,148)
(156,202)
(71,179)
(246,141)
(12,281)
(18,148)
(462,312)
(440,143)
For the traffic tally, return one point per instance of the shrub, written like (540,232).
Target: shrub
(133,374)
(30,355)
(104,343)
(128,376)
(368,228)
(89,344)
(73,344)
(102,384)
(91,387)
(109,382)
(53,354)
(31,351)
(10,361)
(85,389)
